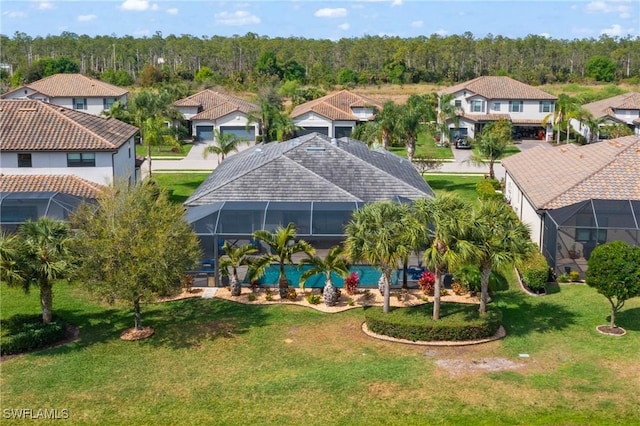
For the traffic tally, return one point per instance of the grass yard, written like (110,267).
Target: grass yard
(426,146)
(509,151)
(179,185)
(218,362)
(164,151)
(463,186)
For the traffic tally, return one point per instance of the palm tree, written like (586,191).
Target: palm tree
(224,144)
(233,258)
(283,245)
(376,234)
(9,249)
(449,218)
(272,121)
(447,111)
(368,133)
(42,256)
(492,145)
(564,109)
(334,262)
(156,133)
(387,121)
(500,240)
(411,119)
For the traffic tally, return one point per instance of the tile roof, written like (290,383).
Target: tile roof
(66,184)
(493,87)
(486,117)
(311,168)
(30,125)
(70,85)
(605,107)
(214,104)
(336,106)
(567,174)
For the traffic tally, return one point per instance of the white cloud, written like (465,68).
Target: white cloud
(172,11)
(86,18)
(441,32)
(137,5)
(620,7)
(396,3)
(613,31)
(344,27)
(339,12)
(239,17)
(141,33)
(14,14)
(45,5)
(545,35)
(417,24)
(154,6)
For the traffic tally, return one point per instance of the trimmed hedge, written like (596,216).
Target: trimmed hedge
(486,190)
(458,322)
(22,333)
(535,271)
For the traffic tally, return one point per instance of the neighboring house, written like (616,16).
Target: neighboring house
(40,138)
(29,197)
(623,109)
(487,99)
(334,115)
(312,181)
(576,197)
(208,111)
(73,91)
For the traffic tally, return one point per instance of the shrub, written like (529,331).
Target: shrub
(427,282)
(268,294)
(251,297)
(458,288)
(313,299)
(350,302)
(351,283)
(487,191)
(564,278)
(292,295)
(463,322)
(187,283)
(27,332)
(535,271)
(574,276)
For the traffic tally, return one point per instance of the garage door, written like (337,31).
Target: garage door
(204,133)
(307,130)
(240,131)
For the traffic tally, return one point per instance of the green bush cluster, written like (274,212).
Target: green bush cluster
(465,324)
(27,332)
(535,271)
(313,299)
(486,189)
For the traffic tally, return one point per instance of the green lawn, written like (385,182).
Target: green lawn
(463,186)
(509,151)
(179,185)
(164,151)
(426,146)
(218,362)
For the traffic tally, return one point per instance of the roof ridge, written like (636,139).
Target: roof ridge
(321,177)
(57,110)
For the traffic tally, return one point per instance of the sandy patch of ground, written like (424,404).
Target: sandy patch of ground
(399,298)
(194,292)
(460,366)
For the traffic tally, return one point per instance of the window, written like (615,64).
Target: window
(458,103)
(515,106)
(24,160)
(476,106)
(81,159)
(546,106)
(496,106)
(107,103)
(79,103)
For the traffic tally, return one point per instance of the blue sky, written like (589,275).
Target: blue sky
(333,20)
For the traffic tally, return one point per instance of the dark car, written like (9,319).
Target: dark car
(461,142)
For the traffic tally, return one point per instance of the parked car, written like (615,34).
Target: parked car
(461,142)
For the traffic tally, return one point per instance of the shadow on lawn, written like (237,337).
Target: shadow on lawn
(629,319)
(521,317)
(177,324)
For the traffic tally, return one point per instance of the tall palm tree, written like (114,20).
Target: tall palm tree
(492,144)
(233,258)
(283,245)
(449,219)
(9,249)
(334,262)
(387,121)
(563,111)
(500,240)
(368,133)
(411,119)
(447,111)
(41,257)
(156,133)
(223,145)
(376,234)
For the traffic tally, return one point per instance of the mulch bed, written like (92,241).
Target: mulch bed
(133,334)
(611,331)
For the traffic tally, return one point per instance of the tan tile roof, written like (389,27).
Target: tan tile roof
(487,117)
(215,104)
(336,106)
(30,125)
(567,174)
(491,87)
(605,107)
(67,184)
(70,85)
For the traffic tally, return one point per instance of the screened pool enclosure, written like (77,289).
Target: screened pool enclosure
(18,207)
(571,233)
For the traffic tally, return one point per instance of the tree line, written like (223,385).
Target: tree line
(242,61)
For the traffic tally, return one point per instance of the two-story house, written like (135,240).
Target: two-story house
(73,91)
(487,99)
(208,111)
(624,109)
(334,115)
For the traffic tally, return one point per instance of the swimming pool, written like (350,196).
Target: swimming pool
(369,276)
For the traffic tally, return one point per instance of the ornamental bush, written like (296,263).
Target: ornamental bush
(427,282)
(351,283)
(535,271)
(28,332)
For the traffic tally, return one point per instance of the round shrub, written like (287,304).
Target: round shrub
(22,333)
(459,322)
(535,271)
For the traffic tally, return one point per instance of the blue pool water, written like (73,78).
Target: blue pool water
(369,276)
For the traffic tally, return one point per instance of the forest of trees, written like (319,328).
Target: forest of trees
(241,61)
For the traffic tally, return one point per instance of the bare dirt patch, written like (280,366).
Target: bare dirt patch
(185,294)
(461,366)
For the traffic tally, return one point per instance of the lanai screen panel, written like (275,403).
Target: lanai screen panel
(280,213)
(241,217)
(19,207)
(331,218)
